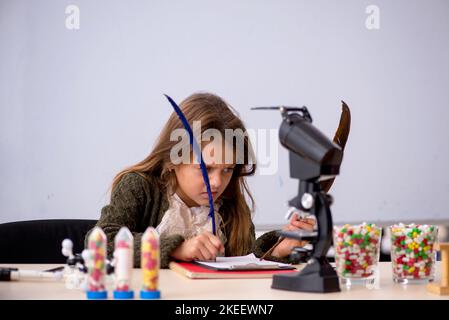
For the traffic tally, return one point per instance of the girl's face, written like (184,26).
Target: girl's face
(191,187)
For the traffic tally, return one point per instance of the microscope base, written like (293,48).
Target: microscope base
(313,278)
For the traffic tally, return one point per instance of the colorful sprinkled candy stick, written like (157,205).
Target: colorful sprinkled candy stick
(357,249)
(95,258)
(412,252)
(123,266)
(150,264)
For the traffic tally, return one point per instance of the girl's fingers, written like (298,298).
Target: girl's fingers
(309,221)
(215,241)
(211,249)
(294,217)
(204,253)
(302,225)
(291,227)
(288,227)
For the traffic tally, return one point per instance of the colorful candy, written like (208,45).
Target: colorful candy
(95,258)
(150,264)
(123,264)
(412,253)
(357,249)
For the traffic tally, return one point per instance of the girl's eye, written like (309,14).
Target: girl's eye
(208,169)
(228,170)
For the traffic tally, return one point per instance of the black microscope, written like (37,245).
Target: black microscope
(313,159)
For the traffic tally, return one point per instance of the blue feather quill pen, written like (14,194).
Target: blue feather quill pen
(199,156)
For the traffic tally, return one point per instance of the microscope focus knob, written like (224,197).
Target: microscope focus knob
(307,201)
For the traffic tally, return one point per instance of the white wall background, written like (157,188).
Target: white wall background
(77,106)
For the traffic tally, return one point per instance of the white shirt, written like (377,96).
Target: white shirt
(189,222)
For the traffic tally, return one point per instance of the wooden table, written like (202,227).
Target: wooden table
(175,287)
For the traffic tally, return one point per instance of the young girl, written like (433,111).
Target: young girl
(173,199)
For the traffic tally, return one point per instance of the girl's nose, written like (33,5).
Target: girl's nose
(215,180)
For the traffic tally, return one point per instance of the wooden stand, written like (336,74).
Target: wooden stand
(443,288)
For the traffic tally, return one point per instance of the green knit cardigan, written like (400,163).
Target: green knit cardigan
(138,202)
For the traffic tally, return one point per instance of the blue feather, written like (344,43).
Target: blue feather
(198,154)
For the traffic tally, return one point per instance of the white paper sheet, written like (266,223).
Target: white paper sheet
(247,262)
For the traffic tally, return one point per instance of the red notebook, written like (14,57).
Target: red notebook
(195,271)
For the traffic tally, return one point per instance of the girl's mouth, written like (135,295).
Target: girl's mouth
(205,195)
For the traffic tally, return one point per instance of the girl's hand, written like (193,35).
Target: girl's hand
(205,246)
(284,248)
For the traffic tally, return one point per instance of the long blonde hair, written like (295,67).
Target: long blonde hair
(214,113)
